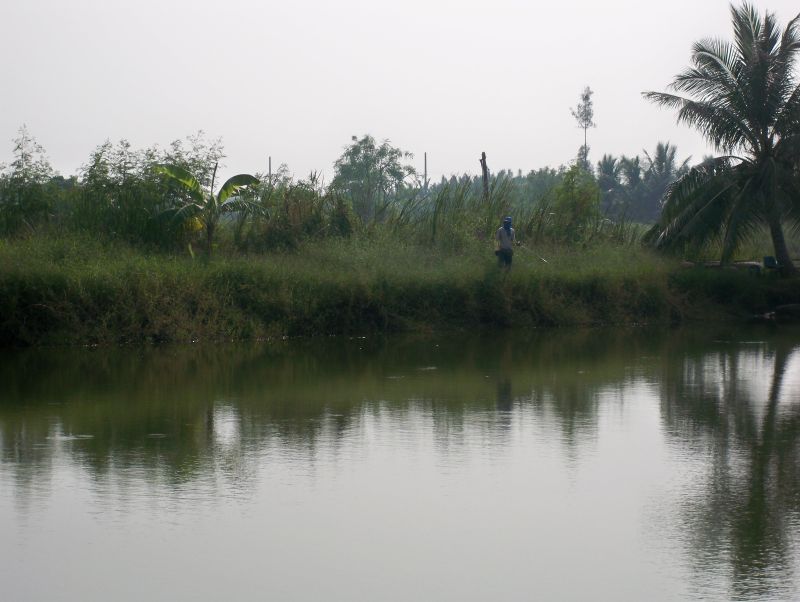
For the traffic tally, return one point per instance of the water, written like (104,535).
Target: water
(553,465)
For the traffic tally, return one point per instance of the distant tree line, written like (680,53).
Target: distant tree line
(168,197)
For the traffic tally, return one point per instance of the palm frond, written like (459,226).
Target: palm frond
(183,179)
(787,122)
(693,203)
(742,222)
(183,212)
(725,129)
(746,29)
(783,85)
(716,71)
(234,184)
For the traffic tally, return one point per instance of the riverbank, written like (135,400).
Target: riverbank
(77,291)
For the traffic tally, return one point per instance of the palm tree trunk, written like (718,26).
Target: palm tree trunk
(787,268)
(752,532)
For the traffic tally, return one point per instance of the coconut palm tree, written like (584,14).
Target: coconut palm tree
(202,204)
(660,170)
(744,98)
(609,171)
(662,167)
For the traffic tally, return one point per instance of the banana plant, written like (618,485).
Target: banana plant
(203,204)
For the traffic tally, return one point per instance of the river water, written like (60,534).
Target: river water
(552,465)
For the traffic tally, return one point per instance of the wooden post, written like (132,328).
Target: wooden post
(485,175)
(425,177)
(270,170)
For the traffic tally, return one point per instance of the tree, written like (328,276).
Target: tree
(25,195)
(660,170)
(197,155)
(584,116)
(368,174)
(30,164)
(121,197)
(609,179)
(743,98)
(576,203)
(204,204)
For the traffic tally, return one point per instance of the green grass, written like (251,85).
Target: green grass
(69,290)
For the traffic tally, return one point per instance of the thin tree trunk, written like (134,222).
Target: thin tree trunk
(485,175)
(787,268)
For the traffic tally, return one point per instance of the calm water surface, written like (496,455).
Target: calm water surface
(591,465)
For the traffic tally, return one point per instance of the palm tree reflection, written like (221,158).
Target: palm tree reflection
(747,510)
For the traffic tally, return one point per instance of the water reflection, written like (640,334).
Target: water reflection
(169,407)
(732,404)
(204,421)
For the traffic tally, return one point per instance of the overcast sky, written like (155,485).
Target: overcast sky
(296,79)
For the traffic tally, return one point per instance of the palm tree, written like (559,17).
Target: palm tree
(609,169)
(661,170)
(744,99)
(609,172)
(662,167)
(204,204)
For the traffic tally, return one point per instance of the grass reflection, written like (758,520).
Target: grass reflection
(158,407)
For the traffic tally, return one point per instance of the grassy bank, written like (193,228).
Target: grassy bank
(79,291)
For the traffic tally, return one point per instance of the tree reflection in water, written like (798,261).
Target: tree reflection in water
(733,404)
(208,417)
(156,410)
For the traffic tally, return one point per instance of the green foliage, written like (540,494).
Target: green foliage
(453,214)
(743,98)
(547,206)
(120,197)
(633,187)
(133,196)
(195,154)
(370,175)
(196,203)
(283,213)
(81,290)
(576,204)
(27,195)
(30,164)
(584,116)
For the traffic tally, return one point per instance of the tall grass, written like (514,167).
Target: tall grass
(80,290)
(456,213)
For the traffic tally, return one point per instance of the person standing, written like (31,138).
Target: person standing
(505,238)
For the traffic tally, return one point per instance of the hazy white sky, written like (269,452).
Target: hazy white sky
(296,79)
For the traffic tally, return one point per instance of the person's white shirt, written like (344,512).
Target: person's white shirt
(505,239)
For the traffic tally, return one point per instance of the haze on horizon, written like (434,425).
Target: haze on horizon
(295,80)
